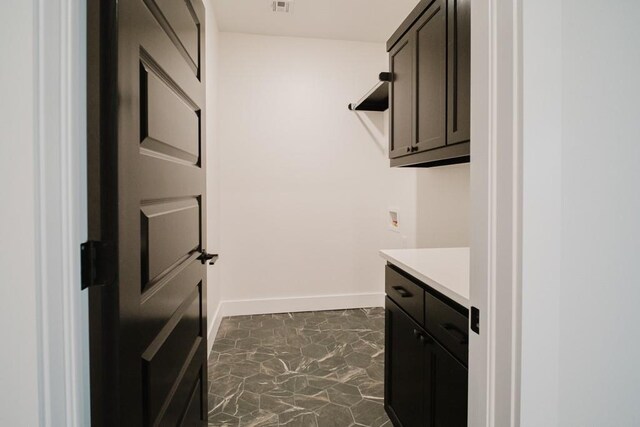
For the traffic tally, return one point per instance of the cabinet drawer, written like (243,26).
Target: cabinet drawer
(405,293)
(448,326)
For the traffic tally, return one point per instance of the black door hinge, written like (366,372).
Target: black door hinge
(475,320)
(98,264)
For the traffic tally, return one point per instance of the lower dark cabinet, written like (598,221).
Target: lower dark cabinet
(425,385)
(404,368)
(449,382)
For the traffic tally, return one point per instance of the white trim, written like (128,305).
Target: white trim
(494,366)
(60,208)
(213,329)
(291,305)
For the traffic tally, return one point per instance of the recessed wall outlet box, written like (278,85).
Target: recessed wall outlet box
(394,223)
(282,6)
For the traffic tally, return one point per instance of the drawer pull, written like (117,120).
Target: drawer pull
(455,332)
(402,291)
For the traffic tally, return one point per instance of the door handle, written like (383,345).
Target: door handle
(211,258)
(402,291)
(456,333)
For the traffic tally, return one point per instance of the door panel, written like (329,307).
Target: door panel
(404,368)
(161,301)
(156,183)
(175,413)
(450,385)
(194,408)
(167,355)
(170,233)
(401,97)
(152,322)
(431,47)
(181,24)
(180,17)
(459,81)
(169,121)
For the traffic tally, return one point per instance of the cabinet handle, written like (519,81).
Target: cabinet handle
(414,149)
(402,291)
(422,337)
(456,333)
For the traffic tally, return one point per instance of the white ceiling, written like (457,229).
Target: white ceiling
(361,20)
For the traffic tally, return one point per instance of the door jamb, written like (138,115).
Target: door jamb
(496,192)
(61,223)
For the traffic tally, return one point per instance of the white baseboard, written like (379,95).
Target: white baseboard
(213,329)
(290,305)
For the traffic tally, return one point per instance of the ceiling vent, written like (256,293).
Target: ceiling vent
(283,6)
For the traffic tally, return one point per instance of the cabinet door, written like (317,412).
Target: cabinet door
(431,66)
(404,365)
(446,387)
(459,72)
(401,97)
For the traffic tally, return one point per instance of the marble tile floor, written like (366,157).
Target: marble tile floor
(313,369)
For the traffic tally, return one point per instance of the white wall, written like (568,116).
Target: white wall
(305,183)
(18,333)
(542,213)
(443,207)
(599,328)
(586,303)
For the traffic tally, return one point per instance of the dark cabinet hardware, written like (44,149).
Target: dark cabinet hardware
(402,291)
(212,258)
(98,264)
(385,77)
(453,330)
(475,320)
(377,99)
(406,293)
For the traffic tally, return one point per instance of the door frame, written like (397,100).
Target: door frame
(496,211)
(61,206)
(60,192)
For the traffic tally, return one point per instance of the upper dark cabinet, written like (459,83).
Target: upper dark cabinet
(401,97)
(430,89)
(431,78)
(459,65)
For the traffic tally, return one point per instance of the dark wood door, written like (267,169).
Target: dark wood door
(446,385)
(402,97)
(404,363)
(431,78)
(147,198)
(459,72)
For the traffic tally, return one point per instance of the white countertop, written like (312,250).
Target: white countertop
(446,270)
